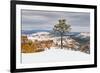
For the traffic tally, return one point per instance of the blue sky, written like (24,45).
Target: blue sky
(45,20)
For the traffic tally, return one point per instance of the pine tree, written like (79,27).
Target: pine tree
(62,27)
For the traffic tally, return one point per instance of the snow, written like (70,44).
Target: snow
(40,36)
(87,34)
(40,33)
(54,55)
(83,35)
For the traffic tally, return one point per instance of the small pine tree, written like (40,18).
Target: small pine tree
(62,27)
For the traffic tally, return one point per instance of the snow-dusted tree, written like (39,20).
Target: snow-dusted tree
(62,27)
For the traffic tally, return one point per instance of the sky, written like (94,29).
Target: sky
(45,20)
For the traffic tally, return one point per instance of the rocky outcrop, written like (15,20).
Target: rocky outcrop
(85,48)
(28,46)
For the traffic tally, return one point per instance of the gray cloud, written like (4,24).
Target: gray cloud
(32,19)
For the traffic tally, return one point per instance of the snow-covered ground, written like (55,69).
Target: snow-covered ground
(54,55)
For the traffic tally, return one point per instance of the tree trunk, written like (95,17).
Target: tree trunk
(61,41)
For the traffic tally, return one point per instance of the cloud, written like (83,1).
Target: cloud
(80,29)
(35,19)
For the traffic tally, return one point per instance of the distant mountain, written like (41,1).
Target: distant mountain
(83,35)
(41,34)
(50,31)
(33,31)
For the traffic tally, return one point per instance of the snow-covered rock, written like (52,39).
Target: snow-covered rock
(39,36)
